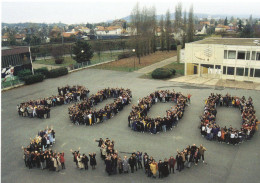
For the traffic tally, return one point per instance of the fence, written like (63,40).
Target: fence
(86,64)
(10,83)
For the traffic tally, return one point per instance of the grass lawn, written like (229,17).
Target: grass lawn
(68,60)
(179,67)
(132,63)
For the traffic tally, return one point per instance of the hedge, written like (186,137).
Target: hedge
(59,61)
(54,73)
(33,79)
(173,71)
(125,55)
(23,73)
(161,73)
(43,70)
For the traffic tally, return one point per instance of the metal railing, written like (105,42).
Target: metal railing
(11,83)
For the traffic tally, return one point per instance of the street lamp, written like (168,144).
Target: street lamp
(134,58)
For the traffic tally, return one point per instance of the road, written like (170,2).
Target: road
(225,163)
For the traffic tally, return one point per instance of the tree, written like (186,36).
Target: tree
(184,35)
(240,25)
(226,22)
(143,26)
(57,52)
(162,37)
(247,32)
(168,31)
(82,51)
(250,21)
(178,17)
(190,30)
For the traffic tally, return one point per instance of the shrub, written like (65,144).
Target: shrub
(23,73)
(59,61)
(43,70)
(33,79)
(173,71)
(125,55)
(161,73)
(54,73)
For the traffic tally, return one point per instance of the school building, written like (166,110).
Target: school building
(224,58)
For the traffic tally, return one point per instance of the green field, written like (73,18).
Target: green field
(69,61)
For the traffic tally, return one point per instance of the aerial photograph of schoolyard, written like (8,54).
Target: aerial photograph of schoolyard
(130,91)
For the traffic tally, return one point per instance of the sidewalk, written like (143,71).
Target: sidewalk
(194,79)
(150,68)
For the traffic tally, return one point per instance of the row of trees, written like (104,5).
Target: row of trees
(146,29)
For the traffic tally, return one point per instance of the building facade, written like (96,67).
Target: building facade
(224,58)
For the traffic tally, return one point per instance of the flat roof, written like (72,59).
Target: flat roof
(14,50)
(229,41)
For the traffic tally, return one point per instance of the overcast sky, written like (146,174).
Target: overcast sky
(78,11)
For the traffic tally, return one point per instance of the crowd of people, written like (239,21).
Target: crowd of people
(139,121)
(39,154)
(82,160)
(137,160)
(84,114)
(41,108)
(211,131)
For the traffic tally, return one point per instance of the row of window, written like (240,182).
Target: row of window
(242,55)
(240,71)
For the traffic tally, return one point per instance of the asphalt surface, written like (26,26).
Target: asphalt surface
(225,163)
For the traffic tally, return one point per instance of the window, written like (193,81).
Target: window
(225,54)
(257,73)
(246,71)
(251,72)
(253,55)
(230,70)
(248,55)
(258,56)
(240,71)
(241,55)
(217,66)
(224,70)
(231,54)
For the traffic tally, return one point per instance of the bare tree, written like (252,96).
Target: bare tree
(168,30)
(190,30)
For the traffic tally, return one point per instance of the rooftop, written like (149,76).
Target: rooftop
(229,41)
(14,50)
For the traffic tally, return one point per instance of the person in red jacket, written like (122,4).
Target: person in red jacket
(171,162)
(62,160)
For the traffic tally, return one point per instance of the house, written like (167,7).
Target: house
(200,29)
(221,28)
(4,38)
(69,34)
(20,37)
(205,23)
(224,58)
(111,30)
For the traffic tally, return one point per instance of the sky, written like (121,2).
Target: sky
(94,11)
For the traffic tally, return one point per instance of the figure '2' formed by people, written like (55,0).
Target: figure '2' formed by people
(41,108)
(114,163)
(81,161)
(38,153)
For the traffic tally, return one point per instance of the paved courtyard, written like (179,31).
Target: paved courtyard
(225,163)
